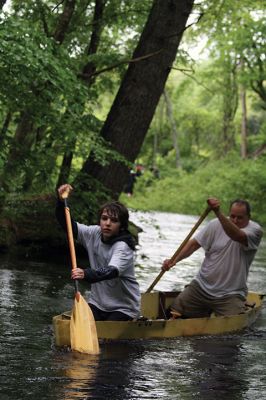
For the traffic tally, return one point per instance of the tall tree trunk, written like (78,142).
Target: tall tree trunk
(133,108)
(258,85)
(230,103)
(97,28)
(169,110)
(65,167)
(244,131)
(18,151)
(64,20)
(5,127)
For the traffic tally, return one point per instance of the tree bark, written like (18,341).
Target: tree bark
(64,21)
(258,84)
(5,126)
(230,103)
(131,113)
(18,151)
(97,28)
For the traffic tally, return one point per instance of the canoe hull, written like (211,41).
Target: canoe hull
(155,327)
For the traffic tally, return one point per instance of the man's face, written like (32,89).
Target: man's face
(238,215)
(109,224)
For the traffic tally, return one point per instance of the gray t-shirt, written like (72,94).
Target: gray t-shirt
(118,294)
(225,268)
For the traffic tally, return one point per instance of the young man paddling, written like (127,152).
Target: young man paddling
(230,246)
(115,293)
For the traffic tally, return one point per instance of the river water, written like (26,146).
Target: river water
(229,367)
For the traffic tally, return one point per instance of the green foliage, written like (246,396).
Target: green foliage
(42,83)
(186,193)
(42,79)
(32,68)
(239,32)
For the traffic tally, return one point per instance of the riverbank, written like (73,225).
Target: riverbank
(182,192)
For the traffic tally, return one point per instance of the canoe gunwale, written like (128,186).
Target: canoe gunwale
(160,328)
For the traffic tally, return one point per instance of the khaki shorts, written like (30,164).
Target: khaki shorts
(194,302)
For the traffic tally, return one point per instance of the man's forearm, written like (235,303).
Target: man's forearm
(189,248)
(231,229)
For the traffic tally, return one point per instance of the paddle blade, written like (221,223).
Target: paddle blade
(83,333)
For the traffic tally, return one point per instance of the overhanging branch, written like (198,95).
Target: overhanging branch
(111,67)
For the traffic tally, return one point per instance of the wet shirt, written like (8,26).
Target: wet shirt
(225,268)
(118,294)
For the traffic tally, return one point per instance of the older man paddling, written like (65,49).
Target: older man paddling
(230,244)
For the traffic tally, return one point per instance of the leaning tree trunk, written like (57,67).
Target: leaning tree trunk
(134,106)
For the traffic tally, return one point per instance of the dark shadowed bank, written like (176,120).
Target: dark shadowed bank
(29,228)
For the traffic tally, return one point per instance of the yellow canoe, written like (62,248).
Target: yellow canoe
(154,326)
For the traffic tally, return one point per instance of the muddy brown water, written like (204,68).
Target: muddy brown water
(223,367)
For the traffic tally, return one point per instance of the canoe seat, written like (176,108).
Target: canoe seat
(165,301)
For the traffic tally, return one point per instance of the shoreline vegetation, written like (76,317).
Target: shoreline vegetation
(177,191)
(28,225)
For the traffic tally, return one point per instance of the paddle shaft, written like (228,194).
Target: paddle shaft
(71,240)
(173,258)
(83,333)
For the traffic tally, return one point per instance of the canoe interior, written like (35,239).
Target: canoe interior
(154,325)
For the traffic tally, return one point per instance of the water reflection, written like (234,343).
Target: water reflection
(109,375)
(220,373)
(79,371)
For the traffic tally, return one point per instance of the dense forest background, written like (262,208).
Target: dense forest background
(95,93)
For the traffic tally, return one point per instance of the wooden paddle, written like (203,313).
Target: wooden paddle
(172,259)
(83,333)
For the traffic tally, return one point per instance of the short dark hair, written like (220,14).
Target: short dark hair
(243,203)
(117,209)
